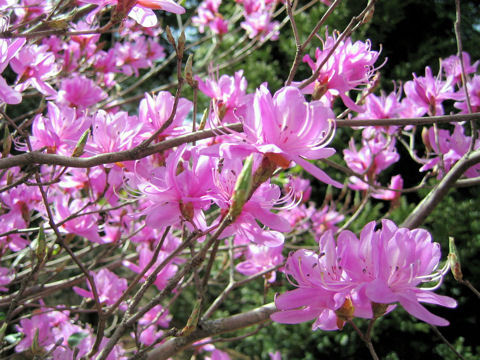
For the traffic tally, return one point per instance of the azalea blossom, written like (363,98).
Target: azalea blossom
(350,66)
(80,92)
(351,277)
(286,128)
(228,95)
(178,192)
(139,10)
(8,49)
(428,92)
(448,148)
(109,287)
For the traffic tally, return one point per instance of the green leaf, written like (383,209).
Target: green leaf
(13,338)
(76,338)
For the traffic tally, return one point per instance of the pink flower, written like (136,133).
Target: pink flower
(383,107)
(115,132)
(208,16)
(139,10)
(109,287)
(376,154)
(400,260)
(39,323)
(145,256)
(178,192)
(351,277)
(256,209)
(396,183)
(83,225)
(300,188)
(80,92)
(8,49)
(17,205)
(350,66)
(218,355)
(473,88)
(286,128)
(313,298)
(452,147)
(260,24)
(228,96)
(428,93)
(260,258)
(149,323)
(452,67)
(59,131)
(34,64)
(155,111)
(325,219)
(6,277)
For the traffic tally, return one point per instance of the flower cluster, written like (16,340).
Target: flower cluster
(363,277)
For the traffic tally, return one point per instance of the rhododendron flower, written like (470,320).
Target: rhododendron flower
(155,111)
(109,287)
(396,183)
(6,277)
(286,128)
(58,131)
(260,258)
(300,188)
(382,107)
(428,92)
(228,95)
(17,205)
(48,327)
(260,24)
(83,225)
(473,88)
(34,64)
(208,16)
(350,66)
(149,323)
(218,355)
(325,219)
(139,10)
(449,148)
(145,256)
(80,92)
(376,154)
(351,277)
(453,68)
(397,262)
(245,228)
(178,192)
(8,49)
(115,132)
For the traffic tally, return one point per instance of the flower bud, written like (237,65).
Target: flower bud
(454,260)
(80,146)
(426,140)
(243,186)
(379,309)
(345,313)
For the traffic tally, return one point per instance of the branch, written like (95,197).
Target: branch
(137,153)
(420,213)
(212,328)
